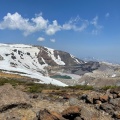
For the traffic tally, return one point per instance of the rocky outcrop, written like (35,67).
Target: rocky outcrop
(74,113)
(108,102)
(85,68)
(115,102)
(89,105)
(68,59)
(11,98)
(89,112)
(45,56)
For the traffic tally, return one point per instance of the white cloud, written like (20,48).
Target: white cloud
(107,15)
(41,39)
(97,27)
(39,24)
(53,40)
(53,28)
(76,24)
(16,21)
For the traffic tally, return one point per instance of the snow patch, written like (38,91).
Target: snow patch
(57,60)
(114,75)
(76,60)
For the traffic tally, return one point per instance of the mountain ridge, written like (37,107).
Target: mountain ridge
(32,60)
(42,63)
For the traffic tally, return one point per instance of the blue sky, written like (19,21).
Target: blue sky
(85,28)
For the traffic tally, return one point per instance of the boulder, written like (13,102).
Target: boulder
(11,98)
(71,112)
(92,97)
(117,114)
(107,108)
(115,91)
(118,94)
(115,102)
(104,98)
(115,96)
(73,101)
(89,112)
(47,115)
(82,97)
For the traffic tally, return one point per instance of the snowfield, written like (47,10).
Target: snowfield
(23,58)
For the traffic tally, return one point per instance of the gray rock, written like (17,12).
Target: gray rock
(92,97)
(90,113)
(115,102)
(73,101)
(107,108)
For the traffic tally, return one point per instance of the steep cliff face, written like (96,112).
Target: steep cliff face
(45,57)
(68,59)
(60,60)
(54,57)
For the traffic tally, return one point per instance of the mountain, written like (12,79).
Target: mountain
(31,61)
(46,65)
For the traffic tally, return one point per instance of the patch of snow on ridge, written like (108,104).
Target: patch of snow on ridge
(51,54)
(76,60)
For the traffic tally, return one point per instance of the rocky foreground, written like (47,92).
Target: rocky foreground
(59,104)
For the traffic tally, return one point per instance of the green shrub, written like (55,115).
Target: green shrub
(81,87)
(34,88)
(13,82)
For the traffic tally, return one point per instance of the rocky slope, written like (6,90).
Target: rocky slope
(67,105)
(54,57)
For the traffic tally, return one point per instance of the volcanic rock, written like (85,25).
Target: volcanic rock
(71,112)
